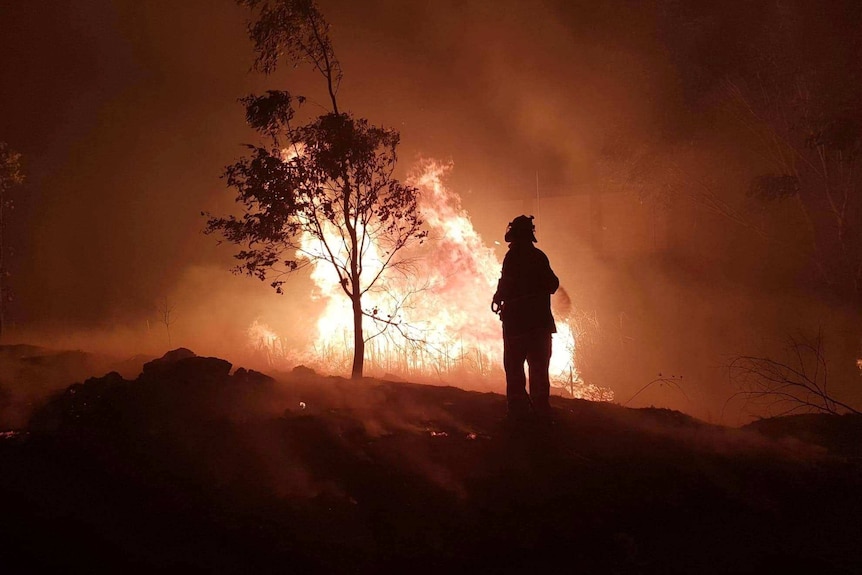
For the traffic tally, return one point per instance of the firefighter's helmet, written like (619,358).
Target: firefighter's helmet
(521,228)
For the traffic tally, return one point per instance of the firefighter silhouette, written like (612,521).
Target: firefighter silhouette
(523,301)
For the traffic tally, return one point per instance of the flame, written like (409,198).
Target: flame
(430,316)
(266,342)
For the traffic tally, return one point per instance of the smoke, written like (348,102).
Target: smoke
(542,107)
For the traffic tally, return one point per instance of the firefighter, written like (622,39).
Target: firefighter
(523,301)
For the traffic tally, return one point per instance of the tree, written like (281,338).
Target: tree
(665,175)
(10,177)
(814,150)
(800,100)
(317,191)
(789,73)
(782,387)
(165,312)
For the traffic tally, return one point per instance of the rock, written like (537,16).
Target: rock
(183,365)
(303,371)
(132,367)
(161,364)
(250,376)
(193,369)
(85,403)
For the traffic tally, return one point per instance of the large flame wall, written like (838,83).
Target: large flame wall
(433,317)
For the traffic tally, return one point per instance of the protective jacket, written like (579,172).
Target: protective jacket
(525,289)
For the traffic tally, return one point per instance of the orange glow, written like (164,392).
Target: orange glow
(429,317)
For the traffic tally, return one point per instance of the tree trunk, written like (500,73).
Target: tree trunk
(358,339)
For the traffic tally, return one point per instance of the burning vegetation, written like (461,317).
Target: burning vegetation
(429,321)
(696,171)
(403,274)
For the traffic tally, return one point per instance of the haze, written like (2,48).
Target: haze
(126,113)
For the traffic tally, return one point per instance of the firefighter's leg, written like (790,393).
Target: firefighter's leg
(514,356)
(539,358)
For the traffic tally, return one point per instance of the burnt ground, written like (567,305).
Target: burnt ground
(192,467)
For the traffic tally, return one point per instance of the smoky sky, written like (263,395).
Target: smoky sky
(126,114)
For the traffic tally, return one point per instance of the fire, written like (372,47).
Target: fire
(430,316)
(265,341)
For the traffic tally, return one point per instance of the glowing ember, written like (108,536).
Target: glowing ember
(429,316)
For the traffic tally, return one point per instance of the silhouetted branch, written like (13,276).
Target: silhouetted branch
(661,380)
(799,384)
(165,316)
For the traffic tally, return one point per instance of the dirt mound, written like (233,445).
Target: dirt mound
(170,391)
(840,434)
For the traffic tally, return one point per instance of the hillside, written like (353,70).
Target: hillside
(196,467)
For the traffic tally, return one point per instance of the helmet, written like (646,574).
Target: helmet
(521,228)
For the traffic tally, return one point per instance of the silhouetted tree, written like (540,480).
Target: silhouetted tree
(782,387)
(166,316)
(790,74)
(816,158)
(666,175)
(10,177)
(320,190)
(801,100)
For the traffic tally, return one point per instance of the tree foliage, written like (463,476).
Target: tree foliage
(784,81)
(334,175)
(319,190)
(800,100)
(293,30)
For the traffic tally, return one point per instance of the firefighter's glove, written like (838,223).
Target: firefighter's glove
(497,304)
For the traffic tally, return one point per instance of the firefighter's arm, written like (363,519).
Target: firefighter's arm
(501,293)
(504,288)
(551,281)
(497,302)
(504,284)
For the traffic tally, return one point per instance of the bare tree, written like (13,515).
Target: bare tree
(793,88)
(166,317)
(319,191)
(796,384)
(816,161)
(663,176)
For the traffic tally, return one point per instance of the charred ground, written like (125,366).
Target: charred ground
(193,467)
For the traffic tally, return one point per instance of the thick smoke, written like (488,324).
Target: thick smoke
(607,121)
